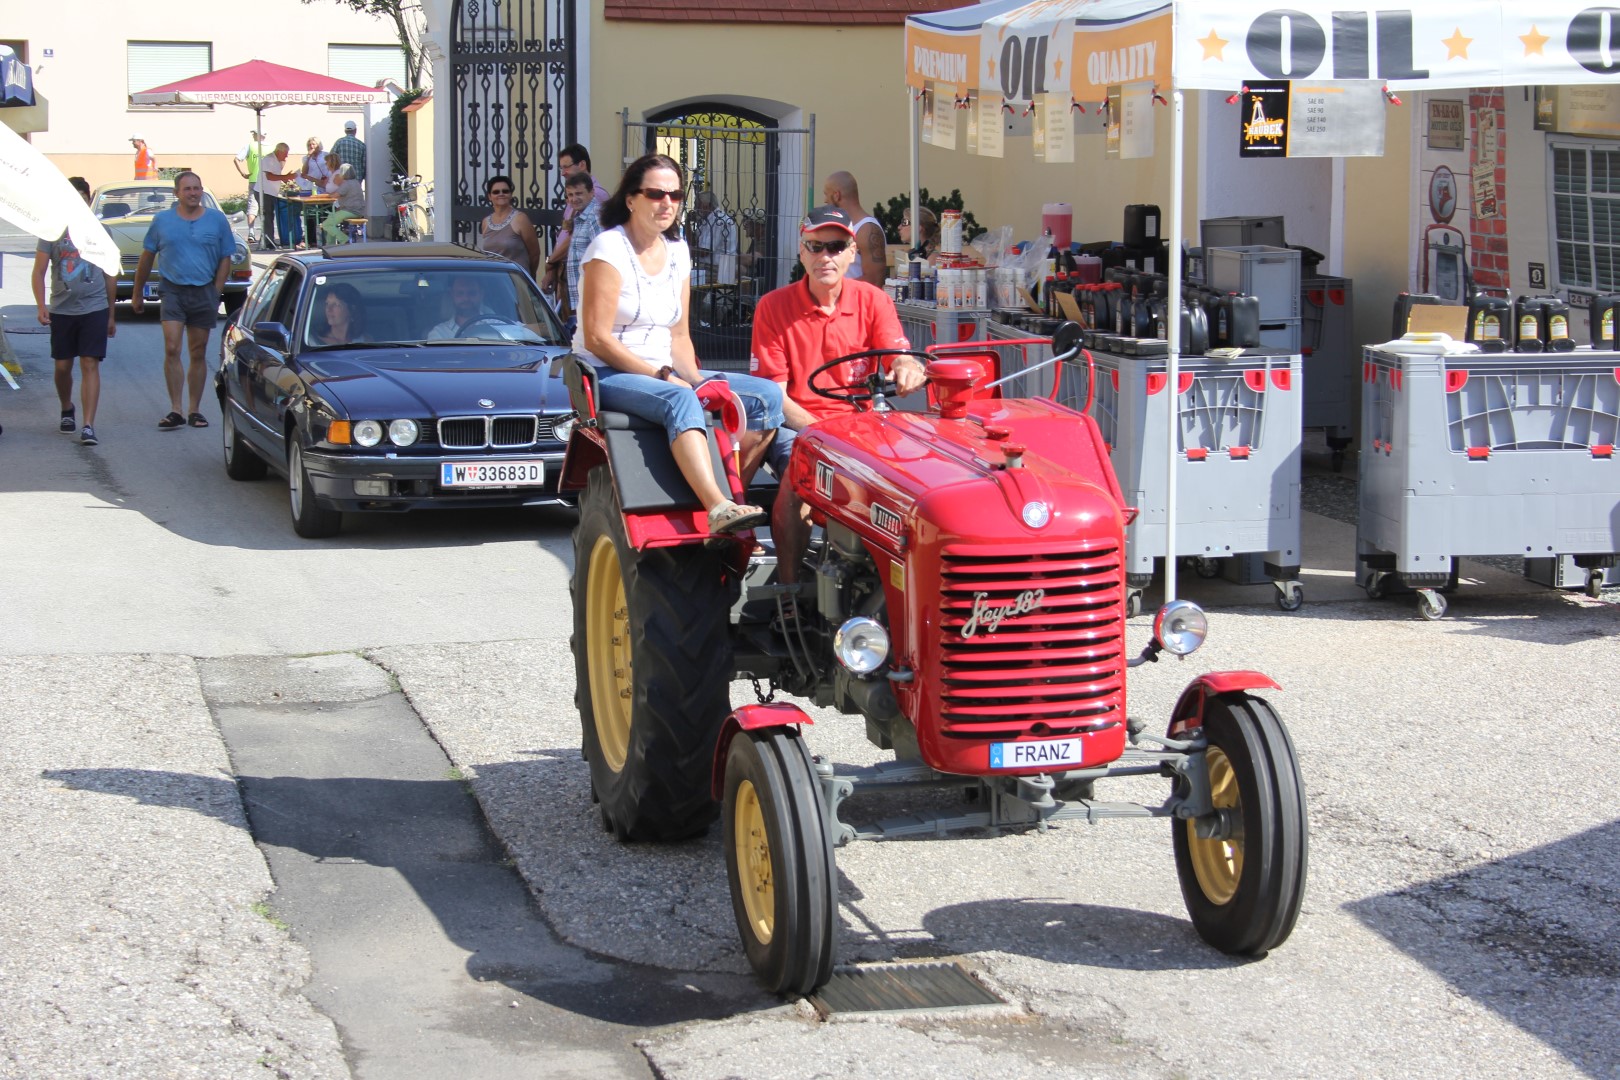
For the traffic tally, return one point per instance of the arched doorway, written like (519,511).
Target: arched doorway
(749,180)
(512,106)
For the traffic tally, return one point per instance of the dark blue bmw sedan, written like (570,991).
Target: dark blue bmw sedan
(392,377)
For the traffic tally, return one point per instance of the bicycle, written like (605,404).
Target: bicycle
(406,226)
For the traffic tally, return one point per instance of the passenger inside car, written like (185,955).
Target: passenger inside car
(338,317)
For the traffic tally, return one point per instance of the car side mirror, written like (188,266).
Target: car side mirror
(272,335)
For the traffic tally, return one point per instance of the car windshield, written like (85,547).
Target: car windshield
(127,202)
(405,306)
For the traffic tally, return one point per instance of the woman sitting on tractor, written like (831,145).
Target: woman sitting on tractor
(635,294)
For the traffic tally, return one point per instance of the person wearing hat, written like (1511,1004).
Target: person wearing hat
(799,327)
(145,163)
(351,151)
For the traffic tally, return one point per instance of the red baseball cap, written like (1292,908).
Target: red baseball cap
(826,217)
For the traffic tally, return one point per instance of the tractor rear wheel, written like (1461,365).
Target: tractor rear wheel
(784,882)
(1243,886)
(652,666)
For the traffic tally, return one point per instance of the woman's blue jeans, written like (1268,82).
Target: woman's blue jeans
(676,407)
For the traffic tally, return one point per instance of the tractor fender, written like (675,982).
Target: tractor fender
(750,718)
(1189,710)
(584,453)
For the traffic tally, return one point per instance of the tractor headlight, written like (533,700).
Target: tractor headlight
(403,432)
(563,428)
(861,645)
(1180,626)
(368,433)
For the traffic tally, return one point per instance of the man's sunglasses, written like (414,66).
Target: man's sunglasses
(831,247)
(659,194)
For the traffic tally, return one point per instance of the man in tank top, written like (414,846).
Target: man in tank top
(871,263)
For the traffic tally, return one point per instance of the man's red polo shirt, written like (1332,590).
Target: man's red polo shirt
(793,337)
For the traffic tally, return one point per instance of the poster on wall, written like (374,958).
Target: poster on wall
(1484,189)
(1111,115)
(1485,127)
(986,117)
(1056,127)
(1263,120)
(1136,120)
(942,132)
(1335,118)
(1445,125)
(1579,110)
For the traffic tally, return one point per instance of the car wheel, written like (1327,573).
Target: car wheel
(310,520)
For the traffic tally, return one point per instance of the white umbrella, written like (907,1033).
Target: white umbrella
(34,195)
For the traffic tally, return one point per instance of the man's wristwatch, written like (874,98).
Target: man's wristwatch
(665,372)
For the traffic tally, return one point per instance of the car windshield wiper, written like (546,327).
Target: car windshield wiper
(369,345)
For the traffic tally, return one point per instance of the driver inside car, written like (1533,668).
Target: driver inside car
(802,326)
(466,307)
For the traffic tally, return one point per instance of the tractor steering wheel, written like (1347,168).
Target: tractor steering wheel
(867,388)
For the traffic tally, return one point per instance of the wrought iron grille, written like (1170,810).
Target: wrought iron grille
(748,185)
(513,106)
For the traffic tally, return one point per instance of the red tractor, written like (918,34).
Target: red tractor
(966,597)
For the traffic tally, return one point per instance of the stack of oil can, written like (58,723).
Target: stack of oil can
(1128,312)
(1527,324)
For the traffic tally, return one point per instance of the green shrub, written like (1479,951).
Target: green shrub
(898,205)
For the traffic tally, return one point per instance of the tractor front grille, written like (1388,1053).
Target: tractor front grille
(1032,640)
(495,432)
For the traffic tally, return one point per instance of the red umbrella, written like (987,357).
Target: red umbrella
(259,85)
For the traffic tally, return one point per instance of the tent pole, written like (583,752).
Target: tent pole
(916,155)
(1173,332)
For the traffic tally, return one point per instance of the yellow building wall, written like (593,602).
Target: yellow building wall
(1378,198)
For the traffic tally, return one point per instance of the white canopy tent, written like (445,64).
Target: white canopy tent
(1016,49)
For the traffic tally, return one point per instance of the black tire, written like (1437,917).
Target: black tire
(651,761)
(784,881)
(310,520)
(241,463)
(1244,894)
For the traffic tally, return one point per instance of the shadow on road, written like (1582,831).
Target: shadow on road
(1535,937)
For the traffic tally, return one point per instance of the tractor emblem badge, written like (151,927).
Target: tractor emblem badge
(824,479)
(989,617)
(886,519)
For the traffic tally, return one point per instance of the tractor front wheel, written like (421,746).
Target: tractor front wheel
(784,882)
(1243,880)
(652,667)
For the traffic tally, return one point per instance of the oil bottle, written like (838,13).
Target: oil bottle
(1604,314)
(1555,325)
(1488,319)
(1529,324)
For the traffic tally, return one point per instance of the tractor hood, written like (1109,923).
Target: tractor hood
(1011,470)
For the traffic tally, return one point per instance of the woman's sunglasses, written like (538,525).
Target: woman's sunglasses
(500,191)
(658,194)
(831,247)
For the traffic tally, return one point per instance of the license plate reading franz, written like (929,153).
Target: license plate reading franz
(492,474)
(1049,754)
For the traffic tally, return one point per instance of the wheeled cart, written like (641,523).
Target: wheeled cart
(927,325)
(1485,454)
(1238,460)
(1330,361)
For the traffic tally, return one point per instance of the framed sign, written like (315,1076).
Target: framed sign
(1442,194)
(1445,125)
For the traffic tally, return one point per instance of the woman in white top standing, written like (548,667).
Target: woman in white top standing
(312,177)
(635,291)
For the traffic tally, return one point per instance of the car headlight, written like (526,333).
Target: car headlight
(1180,626)
(403,432)
(241,252)
(368,433)
(563,428)
(861,645)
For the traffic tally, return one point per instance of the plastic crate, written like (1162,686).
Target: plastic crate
(1485,454)
(1327,304)
(927,325)
(1238,445)
(1270,273)
(1284,335)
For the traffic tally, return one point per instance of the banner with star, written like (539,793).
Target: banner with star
(1227,43)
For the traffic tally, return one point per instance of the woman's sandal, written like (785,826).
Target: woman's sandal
(731,517)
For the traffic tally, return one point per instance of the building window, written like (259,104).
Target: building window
(366,65)
(1586,216)
(158,63)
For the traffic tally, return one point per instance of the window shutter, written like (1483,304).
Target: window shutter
(158,63)
(365,64)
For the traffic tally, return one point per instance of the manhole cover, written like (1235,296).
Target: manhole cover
(901,988)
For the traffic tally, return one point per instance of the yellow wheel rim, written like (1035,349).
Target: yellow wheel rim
(1218,864)
(607,633)
(754,876)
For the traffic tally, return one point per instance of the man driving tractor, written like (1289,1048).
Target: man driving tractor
(802,326)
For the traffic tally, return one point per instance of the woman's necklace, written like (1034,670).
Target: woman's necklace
(497,226)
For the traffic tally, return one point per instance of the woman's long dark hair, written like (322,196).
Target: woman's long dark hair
(351,300)
(616,211)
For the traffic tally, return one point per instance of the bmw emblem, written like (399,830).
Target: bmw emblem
(1037,514)
(485,403)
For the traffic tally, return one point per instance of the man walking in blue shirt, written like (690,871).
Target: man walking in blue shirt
(196,245)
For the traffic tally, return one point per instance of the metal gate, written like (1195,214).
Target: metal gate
(749,184)
(512,107)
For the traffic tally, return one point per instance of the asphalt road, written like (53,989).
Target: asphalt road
(1462,916)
